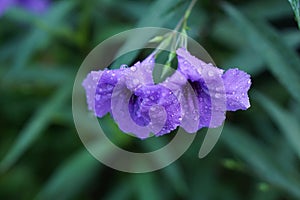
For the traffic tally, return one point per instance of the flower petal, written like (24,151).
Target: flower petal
(104,91)
(150,109)
(237,83)
(140,73)
(188,99)
(90,84)
(207,83)
(164,105)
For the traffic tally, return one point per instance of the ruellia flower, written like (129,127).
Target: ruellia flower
(206,92)
(36,6)
(134,101)
(196,95)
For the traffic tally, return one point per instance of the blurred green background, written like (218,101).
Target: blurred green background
(42,157)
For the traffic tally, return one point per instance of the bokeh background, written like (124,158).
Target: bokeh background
(41,155)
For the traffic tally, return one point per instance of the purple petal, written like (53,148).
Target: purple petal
(211,111)
(188,99)
(159,99)
(37,6)
(90,84)
(206,81)
(5,4)
(99,98)
(149,109)
(237,84)
(104,90)
(140,74)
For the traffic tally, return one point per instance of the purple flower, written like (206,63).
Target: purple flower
(205,92)
(36,6)
(135,102)
(197,95)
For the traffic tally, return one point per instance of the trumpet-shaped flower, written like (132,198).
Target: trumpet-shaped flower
(197,95)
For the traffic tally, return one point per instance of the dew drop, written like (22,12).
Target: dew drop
(152,108)
(136,81)
(113,74)
(133,68)
(217,95)
(180,118)
(97,97)
(218,89)
(199,70)
(124,66)
(109,87)
(210,73)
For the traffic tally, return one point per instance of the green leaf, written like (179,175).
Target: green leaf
(41,73)
(173,172)
(288,124)
(281,60)
(35,126)
(271,9)
(261,160)
(39,35)
(121,190)
(145,186)
(71,177)
(296,8)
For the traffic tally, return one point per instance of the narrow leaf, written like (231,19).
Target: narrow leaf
(296,8)
(281,60)
(288,124)
(35,127)
(261,160)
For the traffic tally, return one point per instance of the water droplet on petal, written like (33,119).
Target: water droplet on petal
(109,87)
(199,70)
(180,118)
(124,66)
(217,95)
(218,89)
(97,97)
(210,73)
(133,68)
(136,81)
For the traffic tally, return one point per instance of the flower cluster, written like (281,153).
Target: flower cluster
(36,6)
(196,95)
